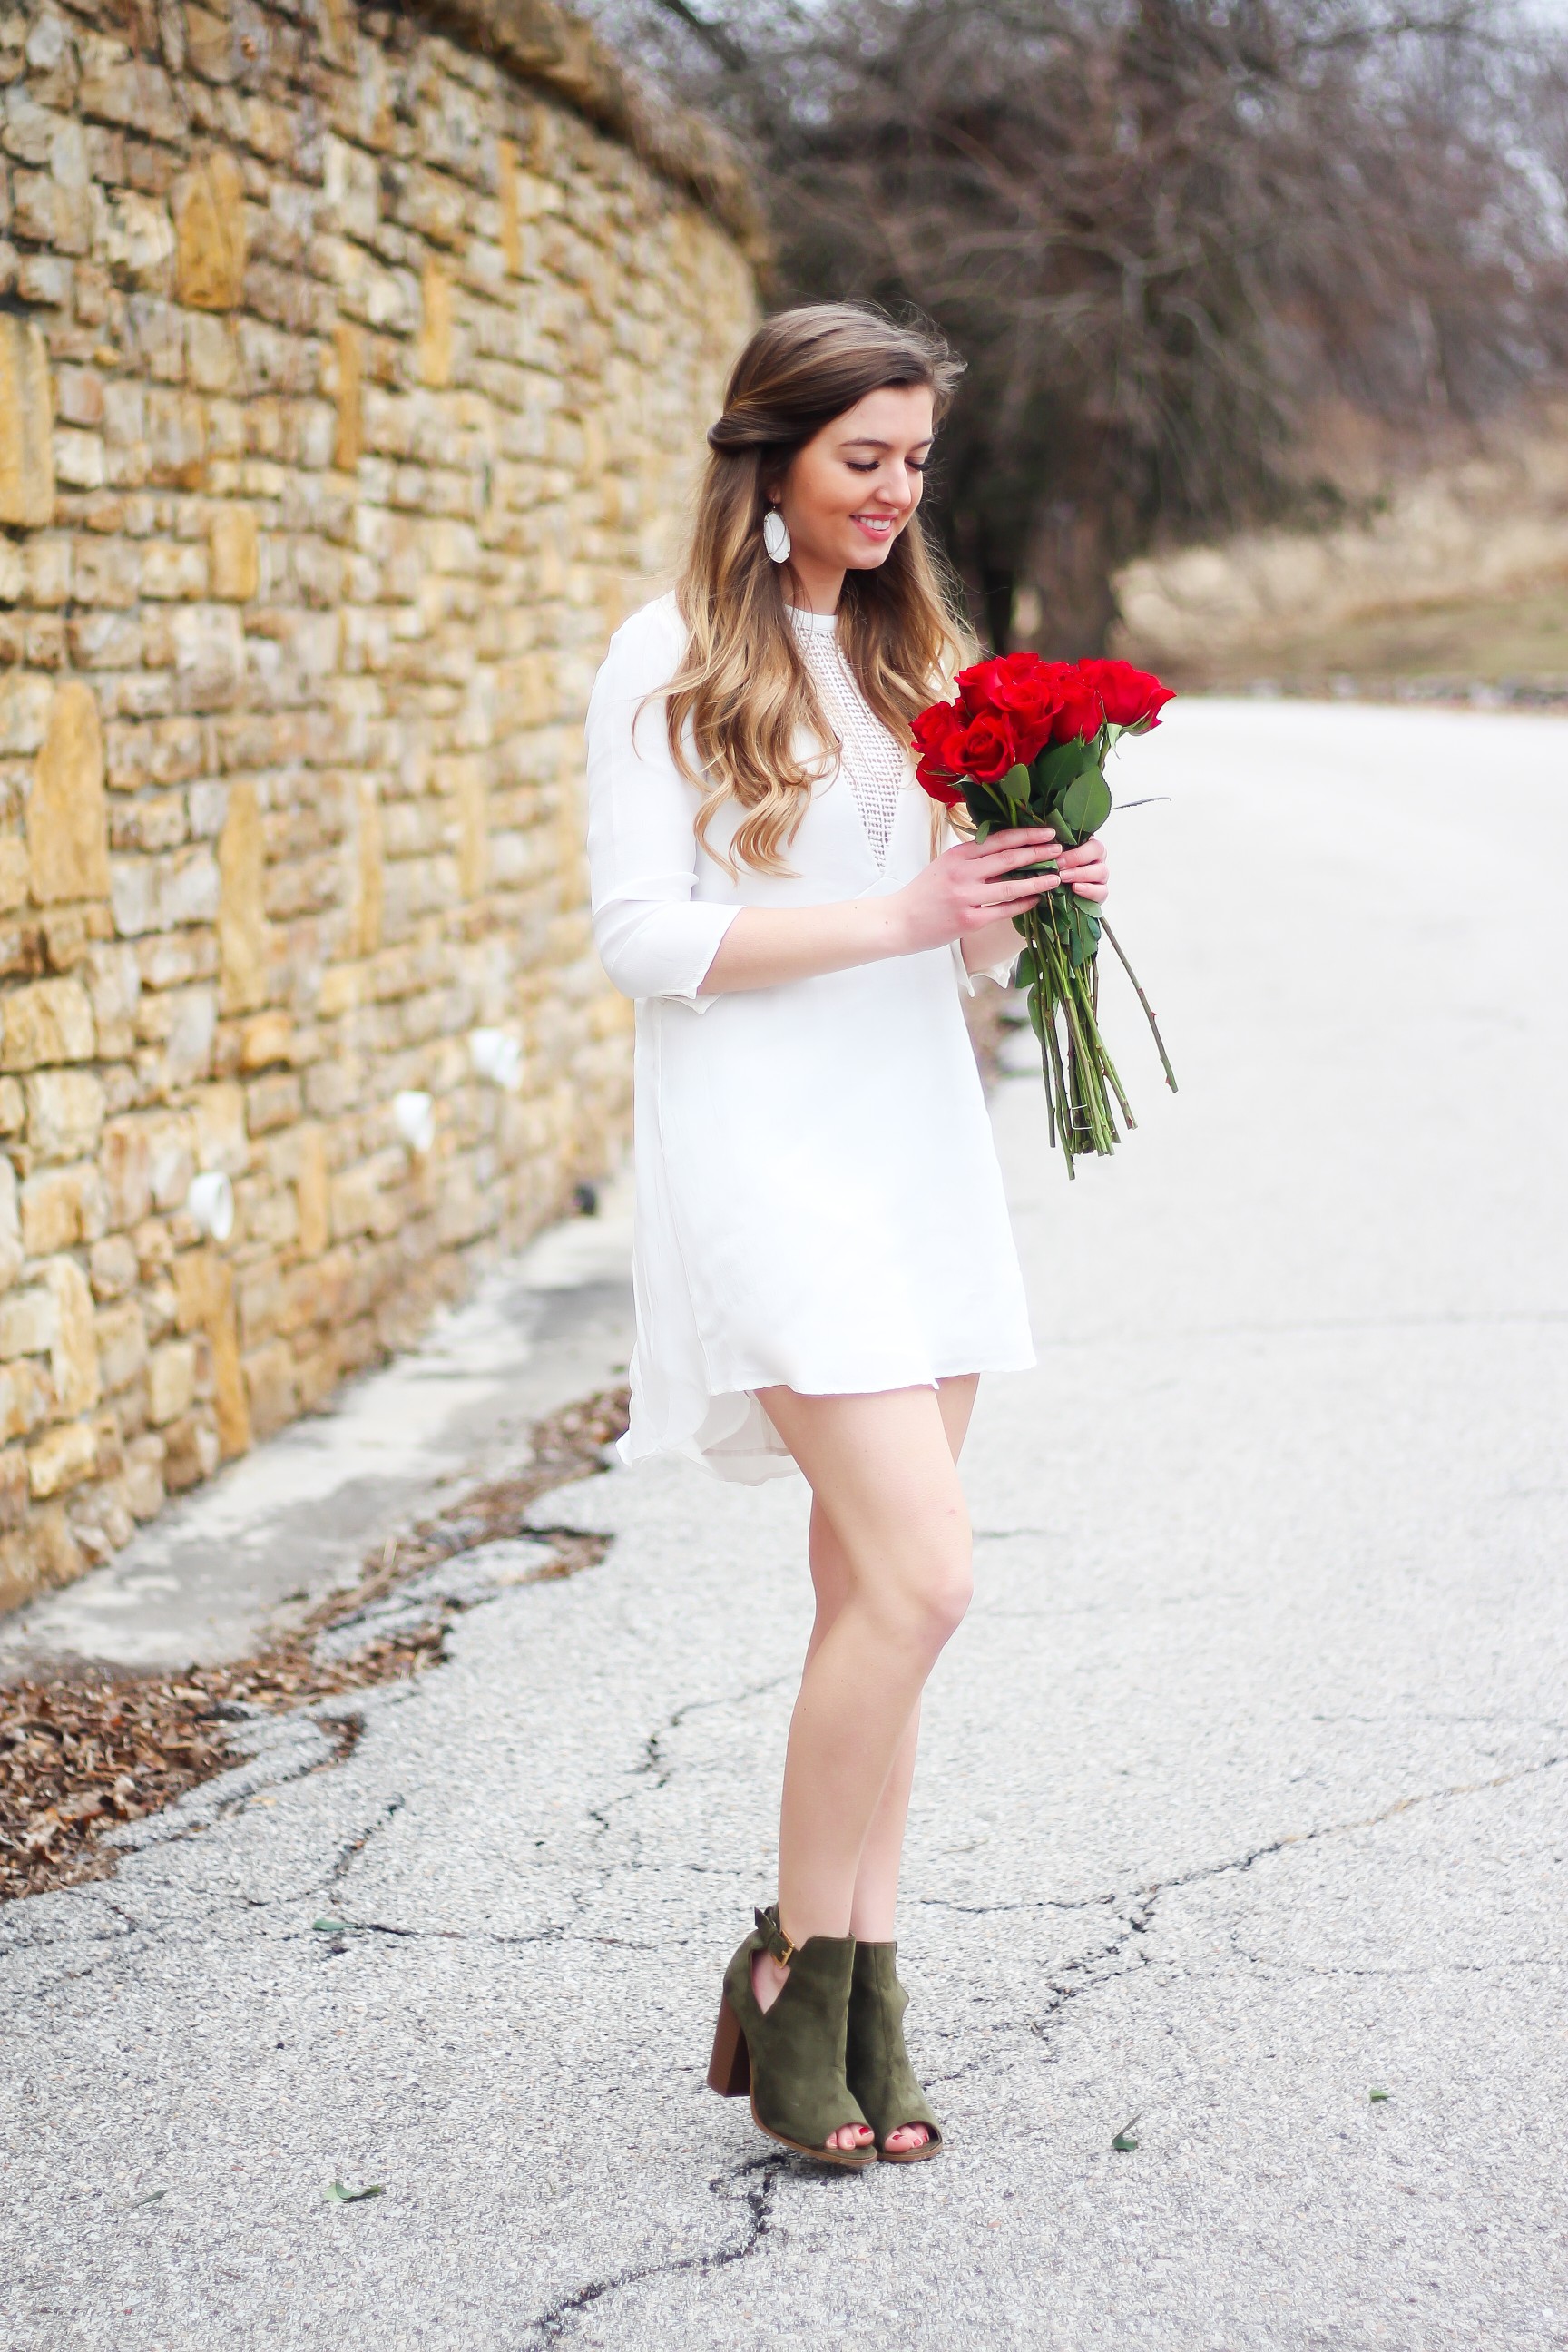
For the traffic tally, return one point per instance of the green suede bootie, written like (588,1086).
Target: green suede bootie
(877,2064)
(791,2057)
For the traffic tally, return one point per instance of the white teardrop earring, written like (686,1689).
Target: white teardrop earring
(776,536)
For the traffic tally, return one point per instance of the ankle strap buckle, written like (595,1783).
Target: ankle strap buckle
(774,1940)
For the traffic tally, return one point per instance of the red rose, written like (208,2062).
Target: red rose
(1019,687)
(1133,697)
(936,732)
(1080,711)
(986,747)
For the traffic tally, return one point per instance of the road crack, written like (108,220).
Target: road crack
(762,2175)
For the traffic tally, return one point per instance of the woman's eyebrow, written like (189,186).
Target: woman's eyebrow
(864,441)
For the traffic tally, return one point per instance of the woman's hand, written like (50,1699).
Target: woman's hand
(996,942)
(975,885)
(1086,870)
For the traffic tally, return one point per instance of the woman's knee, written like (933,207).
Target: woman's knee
(932,1589)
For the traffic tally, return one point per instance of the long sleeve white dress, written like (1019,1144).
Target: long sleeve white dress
(818,1201)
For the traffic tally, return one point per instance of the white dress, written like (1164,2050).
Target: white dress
(818,1202)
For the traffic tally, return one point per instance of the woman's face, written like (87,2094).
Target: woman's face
(852,489)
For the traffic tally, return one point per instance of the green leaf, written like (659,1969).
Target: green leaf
(1375,2095)
(334,1927)
(1124,2143)
(336,2194)
(152,2198)
(1024,969)
(1015,783)
(1037,1017)
(1054,769)
(1085,803)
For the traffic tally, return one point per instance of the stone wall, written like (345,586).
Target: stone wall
(352,369)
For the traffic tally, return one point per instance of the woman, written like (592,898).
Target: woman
(824,1264)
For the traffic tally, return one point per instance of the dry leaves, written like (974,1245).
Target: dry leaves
(84,1749)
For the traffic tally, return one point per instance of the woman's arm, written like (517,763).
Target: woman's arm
(969,893)
(967,890)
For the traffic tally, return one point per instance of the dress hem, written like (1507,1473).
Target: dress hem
(753,1465)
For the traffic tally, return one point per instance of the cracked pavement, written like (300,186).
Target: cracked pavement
(1243,1787)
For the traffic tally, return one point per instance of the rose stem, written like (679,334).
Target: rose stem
(1148,1008)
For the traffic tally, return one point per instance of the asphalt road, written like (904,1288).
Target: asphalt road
(1243,1795)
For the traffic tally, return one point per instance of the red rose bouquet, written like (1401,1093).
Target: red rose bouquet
(1025,742)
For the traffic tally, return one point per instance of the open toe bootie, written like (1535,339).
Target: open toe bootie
(791,2057)
(877,2064)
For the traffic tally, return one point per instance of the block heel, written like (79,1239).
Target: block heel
(730,2067)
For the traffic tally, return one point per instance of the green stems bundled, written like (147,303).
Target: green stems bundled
(1059,969)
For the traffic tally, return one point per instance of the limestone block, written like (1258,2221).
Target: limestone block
(190,1451)
(217,1115)
(61,1459)
(368,877)
(348,346)
(310,1194)
(473,840)
(212,362)
(10,1225)
(188,1047)
(122,1339)
(26,426)
(26,1323)
(270,1388)
(176,448)
(242,933)
(65,1114)
(67,827)
(111,1267)
(210,34)
(235,550)
(144,1475)
(434,345)
(510,208)
(138,242)
(159,894)
(173,569)
(126,1162)
(170,1381)
(173,1162)
(61,1207)
(78,459)
(114,983)
(25,705)
(24,1400)
(209,656)
(209,231)
(231,1405)
(266,1041)
(12,1502)
(73,1351)
(50,1021)
(14,866)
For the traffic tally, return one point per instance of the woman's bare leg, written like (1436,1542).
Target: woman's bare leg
(883,1477)
(873,1911)
(871,1917)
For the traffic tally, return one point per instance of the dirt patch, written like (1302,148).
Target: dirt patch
(88,1748)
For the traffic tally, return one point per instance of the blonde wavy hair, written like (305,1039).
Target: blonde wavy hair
(742,697)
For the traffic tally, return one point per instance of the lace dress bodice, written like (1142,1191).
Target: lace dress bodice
(869,757)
